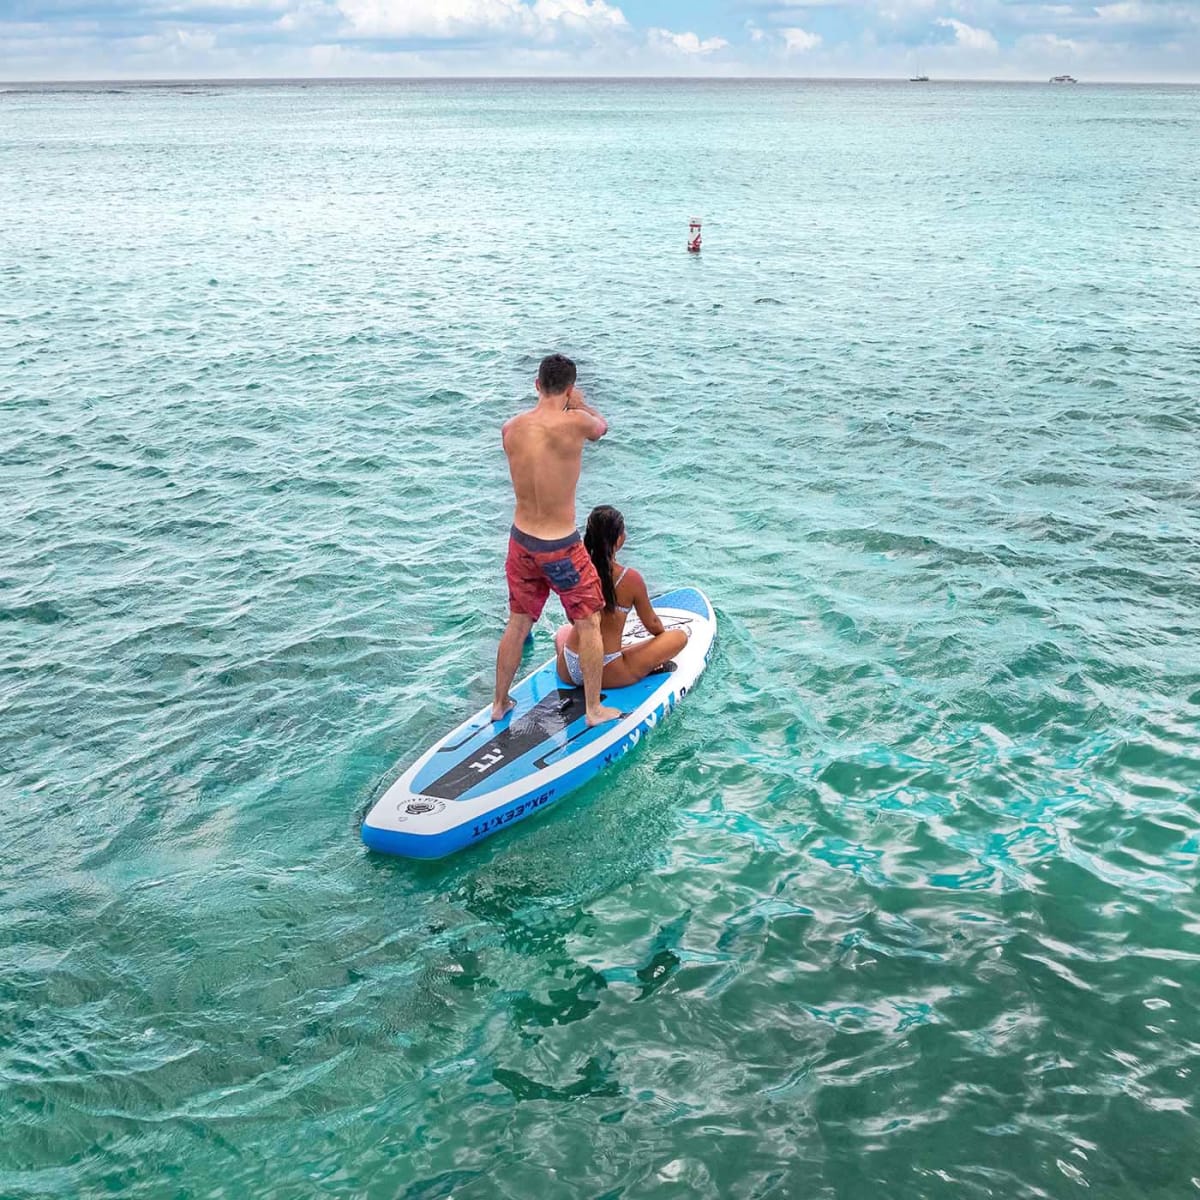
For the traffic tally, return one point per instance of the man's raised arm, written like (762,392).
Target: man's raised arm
(596,427)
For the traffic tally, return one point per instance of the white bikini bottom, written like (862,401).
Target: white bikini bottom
(575,667)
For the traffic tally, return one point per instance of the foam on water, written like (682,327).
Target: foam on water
(903,898)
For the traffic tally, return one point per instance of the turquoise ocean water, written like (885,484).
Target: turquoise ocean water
(901,901)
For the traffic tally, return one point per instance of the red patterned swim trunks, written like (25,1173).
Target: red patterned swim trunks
(536,567)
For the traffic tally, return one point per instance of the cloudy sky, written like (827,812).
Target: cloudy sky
(1140,40)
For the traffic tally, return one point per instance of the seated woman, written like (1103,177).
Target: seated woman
(624,589)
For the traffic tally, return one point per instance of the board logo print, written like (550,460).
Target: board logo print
(420,805)
(488,760)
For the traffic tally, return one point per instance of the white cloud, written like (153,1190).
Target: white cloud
(900,11)
(685,43)
(1122,14)
(797,40)
(1049,46)
(307,14)
(967,36)
(1134,12)
(174,43)
(449,19)
(590,14)
(437,19)
(756,34)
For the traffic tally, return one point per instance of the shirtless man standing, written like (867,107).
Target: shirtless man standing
(545,452)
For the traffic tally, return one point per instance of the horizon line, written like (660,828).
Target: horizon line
(464,78)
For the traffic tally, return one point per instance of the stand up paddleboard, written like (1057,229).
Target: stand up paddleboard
(486,775)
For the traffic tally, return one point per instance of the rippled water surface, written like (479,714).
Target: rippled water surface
(902,900)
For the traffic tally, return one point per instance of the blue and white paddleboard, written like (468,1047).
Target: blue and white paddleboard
(484,775)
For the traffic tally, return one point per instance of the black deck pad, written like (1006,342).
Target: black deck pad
(552,715)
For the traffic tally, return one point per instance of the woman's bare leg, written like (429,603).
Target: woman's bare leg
(638,660)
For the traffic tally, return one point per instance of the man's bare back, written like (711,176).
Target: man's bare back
(545,453)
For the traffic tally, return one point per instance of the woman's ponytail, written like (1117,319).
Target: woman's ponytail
(604,528)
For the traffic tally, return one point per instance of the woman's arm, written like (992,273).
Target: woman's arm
(641,601)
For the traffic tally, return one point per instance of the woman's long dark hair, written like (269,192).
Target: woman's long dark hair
(604,528)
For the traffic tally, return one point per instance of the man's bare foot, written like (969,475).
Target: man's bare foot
(500,711)
(602,715)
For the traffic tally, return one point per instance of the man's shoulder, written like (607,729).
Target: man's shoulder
(562,428)
(517,422)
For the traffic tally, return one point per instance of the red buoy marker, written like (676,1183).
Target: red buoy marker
(694,236)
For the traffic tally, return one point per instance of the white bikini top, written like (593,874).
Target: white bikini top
(621,608)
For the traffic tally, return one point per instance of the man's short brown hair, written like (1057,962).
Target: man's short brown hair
(556,374)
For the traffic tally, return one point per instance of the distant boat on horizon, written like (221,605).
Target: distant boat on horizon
(1063,79)
(918,78)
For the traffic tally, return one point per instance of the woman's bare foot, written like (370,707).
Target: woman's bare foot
(500,711)
(602,714)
